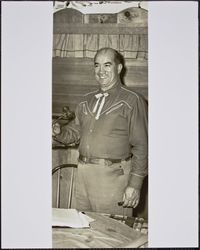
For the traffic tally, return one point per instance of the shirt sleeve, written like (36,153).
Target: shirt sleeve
(70,133)
(138,135)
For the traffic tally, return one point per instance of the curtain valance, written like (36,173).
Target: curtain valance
(86,45)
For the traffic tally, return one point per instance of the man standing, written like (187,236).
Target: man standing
(111,129)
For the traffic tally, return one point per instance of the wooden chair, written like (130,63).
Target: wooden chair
(69,192)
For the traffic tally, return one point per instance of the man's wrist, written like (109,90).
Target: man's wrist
(136,181)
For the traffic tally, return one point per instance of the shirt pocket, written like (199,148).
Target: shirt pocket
(117,106)
(84,109)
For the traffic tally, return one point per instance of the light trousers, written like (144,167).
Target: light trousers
(99,188)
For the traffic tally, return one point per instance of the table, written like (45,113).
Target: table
(104,232)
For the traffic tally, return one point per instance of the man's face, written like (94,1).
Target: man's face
(106,69)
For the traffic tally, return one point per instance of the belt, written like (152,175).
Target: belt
(99,161)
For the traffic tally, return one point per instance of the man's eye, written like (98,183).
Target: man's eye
(107,65)
(96,65)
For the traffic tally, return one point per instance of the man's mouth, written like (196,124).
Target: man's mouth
(103,77)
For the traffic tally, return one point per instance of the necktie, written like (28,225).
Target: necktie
(98,96)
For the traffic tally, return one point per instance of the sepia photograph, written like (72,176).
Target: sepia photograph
(99,128)
(100,123)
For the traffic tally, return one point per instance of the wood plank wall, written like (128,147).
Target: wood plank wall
(74,77)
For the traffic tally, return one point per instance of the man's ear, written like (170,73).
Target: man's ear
(119,68)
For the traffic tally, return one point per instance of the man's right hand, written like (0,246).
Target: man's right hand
(131,197)
(56,129)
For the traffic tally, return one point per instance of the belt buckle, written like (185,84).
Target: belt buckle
(108,162)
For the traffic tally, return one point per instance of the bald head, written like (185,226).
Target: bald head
(112,52)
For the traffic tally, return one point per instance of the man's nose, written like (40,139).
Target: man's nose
(101,69)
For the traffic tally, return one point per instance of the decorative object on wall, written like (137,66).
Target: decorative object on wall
(101,18)
(133,15)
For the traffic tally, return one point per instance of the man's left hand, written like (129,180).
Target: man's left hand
(131,197)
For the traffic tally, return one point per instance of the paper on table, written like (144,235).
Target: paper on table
(70,218)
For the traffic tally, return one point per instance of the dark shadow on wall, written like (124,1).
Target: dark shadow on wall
(124,69)
(137,90)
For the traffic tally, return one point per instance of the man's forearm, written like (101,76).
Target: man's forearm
(138,172)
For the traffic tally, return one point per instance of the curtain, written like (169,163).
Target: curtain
(68,45)
(86,45)
(129,45)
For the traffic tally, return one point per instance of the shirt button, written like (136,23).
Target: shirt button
(87,146)
(91,130)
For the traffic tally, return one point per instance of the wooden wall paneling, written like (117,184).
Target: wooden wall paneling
(135,16)
(135,77)
(73,77)
(75,28)
(81,72)
(90,61)
(66,16)
(72,90)
(129,21)
(100,18)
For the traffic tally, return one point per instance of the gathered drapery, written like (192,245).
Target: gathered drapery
(86,45)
